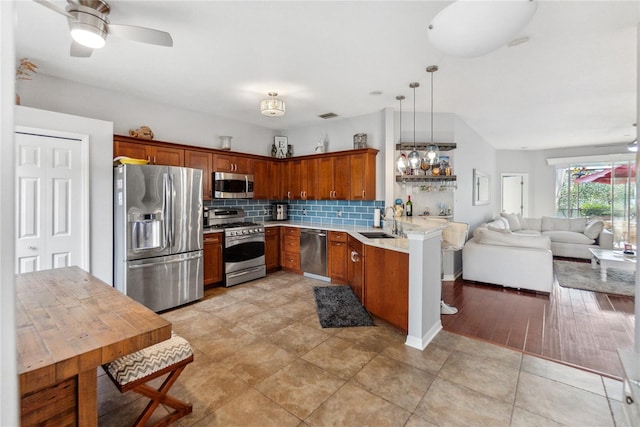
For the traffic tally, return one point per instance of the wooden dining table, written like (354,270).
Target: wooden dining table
(68,323)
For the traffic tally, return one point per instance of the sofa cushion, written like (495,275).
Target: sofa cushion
(563,224)
(593,229)
(498,229)
(514,220)
(534,224)
(568,237)
(488,237)
(499,223)
(529,233)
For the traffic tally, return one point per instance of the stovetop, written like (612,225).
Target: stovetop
(238,224)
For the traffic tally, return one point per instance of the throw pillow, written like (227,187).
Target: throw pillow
(593,229)
(522,221)
(514,222)
(498,229)
(578,224)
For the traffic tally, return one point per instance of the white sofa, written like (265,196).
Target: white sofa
(518,252)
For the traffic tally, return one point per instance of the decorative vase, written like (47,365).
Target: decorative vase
(225,142)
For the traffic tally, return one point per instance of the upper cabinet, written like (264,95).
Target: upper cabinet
(363,175)
(201,160)
(156,154)
(334,177)
(232,163)
(341,175)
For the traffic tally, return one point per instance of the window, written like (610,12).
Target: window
(605,191)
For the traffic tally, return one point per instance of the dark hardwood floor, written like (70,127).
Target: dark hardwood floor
(576,327)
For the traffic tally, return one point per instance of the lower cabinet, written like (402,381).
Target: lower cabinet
(355,267)
(272,247)
(290,249)
(212,254)
(386,293)
(338,254)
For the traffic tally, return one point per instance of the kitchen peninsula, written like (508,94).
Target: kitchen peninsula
(68,324)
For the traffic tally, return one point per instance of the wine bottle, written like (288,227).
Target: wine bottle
(409,206)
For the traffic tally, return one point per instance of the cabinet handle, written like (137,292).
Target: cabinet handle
(363,194)
(148,159)
(155,162)
(629,400)
(354,256)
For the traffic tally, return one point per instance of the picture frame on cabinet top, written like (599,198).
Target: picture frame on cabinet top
(281,146)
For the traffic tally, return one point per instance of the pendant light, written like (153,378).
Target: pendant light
(432,150)
(414,156)
(401,161)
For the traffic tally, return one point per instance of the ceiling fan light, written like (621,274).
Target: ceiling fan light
(633,146)
(88,35)
(272,107)
(470,28)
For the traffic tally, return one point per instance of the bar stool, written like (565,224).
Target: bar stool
(133,371)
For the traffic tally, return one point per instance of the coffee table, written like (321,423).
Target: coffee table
(608,258)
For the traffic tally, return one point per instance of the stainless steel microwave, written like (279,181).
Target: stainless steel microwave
(232,185)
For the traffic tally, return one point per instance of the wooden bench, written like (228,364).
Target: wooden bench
(135,370)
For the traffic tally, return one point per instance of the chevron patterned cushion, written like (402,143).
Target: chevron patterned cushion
(149,360)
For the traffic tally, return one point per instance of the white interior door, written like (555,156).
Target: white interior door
(514,193)
(51,203)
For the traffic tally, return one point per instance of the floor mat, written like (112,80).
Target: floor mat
(580,275)
(338,307)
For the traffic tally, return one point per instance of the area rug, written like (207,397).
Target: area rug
(580,275)
(338,307)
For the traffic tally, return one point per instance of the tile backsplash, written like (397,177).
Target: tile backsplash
(333,212)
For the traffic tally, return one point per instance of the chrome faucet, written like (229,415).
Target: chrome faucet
(394,226)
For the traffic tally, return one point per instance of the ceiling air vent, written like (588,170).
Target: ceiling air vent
(328,115)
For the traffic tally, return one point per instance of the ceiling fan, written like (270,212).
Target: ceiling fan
(89,25)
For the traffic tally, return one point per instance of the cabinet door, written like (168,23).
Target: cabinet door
(167,156)
(355,268)
(309,179)
(201,160)
(386,290)
(223,163)
(326,166)
(130,149)
(272,247)
(244,164)
(266,183)
(212,254)
(338,252)
(363,177)
(342,178)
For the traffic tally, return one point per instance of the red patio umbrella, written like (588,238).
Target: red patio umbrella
(604,176)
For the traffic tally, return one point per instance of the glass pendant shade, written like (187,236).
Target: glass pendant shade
(272,107)
(431,154)
(414,159)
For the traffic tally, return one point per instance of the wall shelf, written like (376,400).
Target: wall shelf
(422,146)
(418,178)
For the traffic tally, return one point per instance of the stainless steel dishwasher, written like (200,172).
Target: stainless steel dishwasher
(313,252)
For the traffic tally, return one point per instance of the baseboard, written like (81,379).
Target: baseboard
(422,343)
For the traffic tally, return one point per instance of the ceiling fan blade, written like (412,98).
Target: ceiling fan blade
(141,34)
(55,8)
(80,51)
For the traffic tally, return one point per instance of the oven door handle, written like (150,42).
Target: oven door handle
(236,240)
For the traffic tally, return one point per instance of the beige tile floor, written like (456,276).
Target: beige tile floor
(262,359)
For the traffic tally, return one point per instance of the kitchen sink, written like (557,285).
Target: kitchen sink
(376,235)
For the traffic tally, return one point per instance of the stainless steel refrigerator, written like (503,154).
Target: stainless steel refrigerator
(158,234)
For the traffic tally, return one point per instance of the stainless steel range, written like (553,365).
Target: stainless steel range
(243,250)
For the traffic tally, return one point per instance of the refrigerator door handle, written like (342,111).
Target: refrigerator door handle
(172,227)
(164,262)
(168,217)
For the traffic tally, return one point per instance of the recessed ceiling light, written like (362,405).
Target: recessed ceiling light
(518,41)
(375,92)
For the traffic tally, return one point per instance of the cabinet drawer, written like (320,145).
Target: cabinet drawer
(291,260)
(291,244)
(291,231)
(271,231)
(212,237)
(337,236)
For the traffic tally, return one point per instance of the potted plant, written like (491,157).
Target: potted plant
(24,72)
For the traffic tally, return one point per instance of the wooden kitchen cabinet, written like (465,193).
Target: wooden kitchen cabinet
(140,149)
(334,177)
(203,161)
(266,175)
(290,249)
(386,290)
(355,267)
(303,174)
(272,247)
(212,254)
(289,183)
(232,163)
(338,255)
(363,176)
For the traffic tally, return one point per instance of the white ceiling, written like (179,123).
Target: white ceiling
(573,84)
